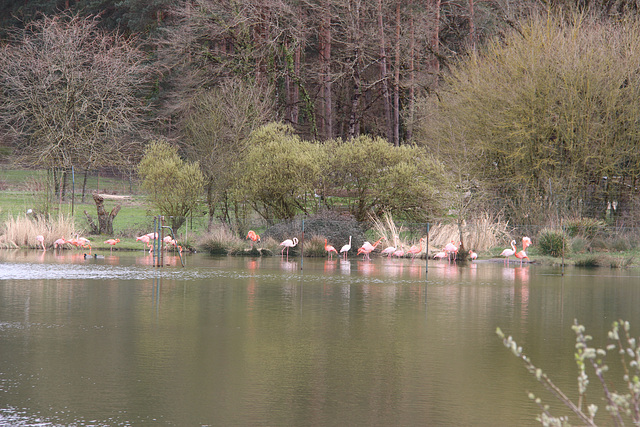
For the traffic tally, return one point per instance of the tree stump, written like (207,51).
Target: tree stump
(105,220)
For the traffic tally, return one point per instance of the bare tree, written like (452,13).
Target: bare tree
(71,94)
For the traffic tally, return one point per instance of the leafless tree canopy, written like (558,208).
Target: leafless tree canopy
(70,93)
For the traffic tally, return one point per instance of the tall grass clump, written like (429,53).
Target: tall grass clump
(220,240)
(480,234)
(588,228)
(550,242)
(21,231)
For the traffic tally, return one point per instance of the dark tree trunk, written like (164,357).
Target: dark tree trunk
(105,219)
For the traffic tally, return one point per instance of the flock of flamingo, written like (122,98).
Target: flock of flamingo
(86,243)
(450,251)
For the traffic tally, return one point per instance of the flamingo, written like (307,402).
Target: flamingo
(509,252)
(346,248)
(399,252)
(112,242)
(40,240)
(440,255)
(330,249)
(367,248)
(473,255)
(59,242)
(84,242)
(145,239)
(416,249)
(253,236)
(288,244)
(388,251)
(451,248)
(526,242)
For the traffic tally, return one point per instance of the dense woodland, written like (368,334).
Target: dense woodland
(428,110)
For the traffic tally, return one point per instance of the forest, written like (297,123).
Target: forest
(430,111)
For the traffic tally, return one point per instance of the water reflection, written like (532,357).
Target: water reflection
(259,341)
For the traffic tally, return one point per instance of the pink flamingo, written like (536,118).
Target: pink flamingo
(440,255)
(59,242)
(253,236)
(388,251)
(145,239)
(526,242)
(288,244)
(112,242)
(346,248)
(473,255)
(416,249)
(40,240)
(450,248)
(330,249)
(399,252)
(84,242)
(367,248)
(509,252)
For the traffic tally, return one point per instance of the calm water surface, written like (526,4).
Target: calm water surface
(239,341)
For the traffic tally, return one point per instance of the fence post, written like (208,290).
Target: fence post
(302,246)
(426,268)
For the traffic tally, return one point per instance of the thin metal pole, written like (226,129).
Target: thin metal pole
(302,247)
(426,268)
(562,228)
(73,189)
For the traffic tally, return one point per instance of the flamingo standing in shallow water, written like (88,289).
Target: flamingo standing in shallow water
(367,248)
(416,249)
(526,242)
(146,240)
(509,252)
(440,255)
(399,252)
(288,244)
(40,240)
(450,248)
(59,242)
(388,251)
(346,248)
(473,255)
(112,243)
(330,249)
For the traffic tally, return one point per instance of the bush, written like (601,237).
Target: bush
(551,242)
(585,227)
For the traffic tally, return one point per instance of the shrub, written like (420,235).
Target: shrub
(621,405)
(585,227)
(551,242)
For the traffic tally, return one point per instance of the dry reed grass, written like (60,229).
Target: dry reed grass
(480,234)
(22,230)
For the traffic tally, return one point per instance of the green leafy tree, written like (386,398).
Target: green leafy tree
(381,177)
(545,115)
(172,184)
(278,170)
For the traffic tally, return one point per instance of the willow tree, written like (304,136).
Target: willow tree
(278,170)
(546,116)
(173,185)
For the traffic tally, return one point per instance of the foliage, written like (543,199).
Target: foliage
(278,170)
(585,227)
(401,181)
(621,405)
(173,185)
(551,242)
(549,112)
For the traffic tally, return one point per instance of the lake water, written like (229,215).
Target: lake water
(243,341)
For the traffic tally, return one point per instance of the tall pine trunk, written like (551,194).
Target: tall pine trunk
(383,75)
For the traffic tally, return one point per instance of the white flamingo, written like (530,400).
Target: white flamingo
(346,248)
(509,252)
(288,244)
